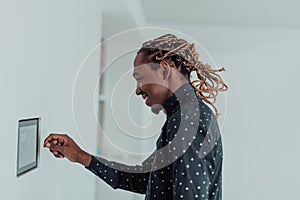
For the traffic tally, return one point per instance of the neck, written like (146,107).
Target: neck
(175,85)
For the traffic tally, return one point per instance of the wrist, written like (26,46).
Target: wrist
(85,159)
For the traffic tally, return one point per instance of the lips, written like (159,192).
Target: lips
(147,102)
(146,98)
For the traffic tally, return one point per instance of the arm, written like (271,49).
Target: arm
(120,176)
(131,178)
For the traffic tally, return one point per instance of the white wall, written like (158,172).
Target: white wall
(42,46)
(122,108)
(261,130)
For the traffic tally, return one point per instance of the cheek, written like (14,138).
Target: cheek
(158,93)
(153,81)
(154,89)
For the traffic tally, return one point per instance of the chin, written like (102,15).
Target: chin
(156,108)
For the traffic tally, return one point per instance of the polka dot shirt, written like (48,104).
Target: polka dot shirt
(187,163)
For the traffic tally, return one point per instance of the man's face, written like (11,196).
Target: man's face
(150,85)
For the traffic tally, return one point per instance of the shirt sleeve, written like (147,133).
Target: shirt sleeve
(120,176)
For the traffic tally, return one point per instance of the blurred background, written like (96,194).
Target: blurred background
(50,66)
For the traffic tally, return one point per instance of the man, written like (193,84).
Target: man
(187,163)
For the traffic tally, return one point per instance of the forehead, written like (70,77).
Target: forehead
(138,60)
(139,66)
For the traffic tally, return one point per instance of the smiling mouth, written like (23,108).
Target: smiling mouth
(146,98)
(145,95)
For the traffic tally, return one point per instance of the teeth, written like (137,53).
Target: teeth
(145,96)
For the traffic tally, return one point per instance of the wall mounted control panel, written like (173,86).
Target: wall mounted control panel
(28,145)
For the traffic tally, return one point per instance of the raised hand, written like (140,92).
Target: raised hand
(61,145)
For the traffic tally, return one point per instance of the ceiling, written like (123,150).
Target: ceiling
(270,13)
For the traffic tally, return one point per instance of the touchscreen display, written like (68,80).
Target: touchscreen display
(28,136)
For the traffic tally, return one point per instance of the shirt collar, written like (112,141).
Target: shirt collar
(174,100)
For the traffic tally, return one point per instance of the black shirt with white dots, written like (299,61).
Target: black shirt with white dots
(187,163)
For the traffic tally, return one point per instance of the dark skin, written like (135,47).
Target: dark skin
(155,86)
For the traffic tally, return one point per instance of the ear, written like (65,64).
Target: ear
(165,67)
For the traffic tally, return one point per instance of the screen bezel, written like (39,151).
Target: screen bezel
(33,165)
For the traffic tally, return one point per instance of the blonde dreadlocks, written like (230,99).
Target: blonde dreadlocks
(186,58)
